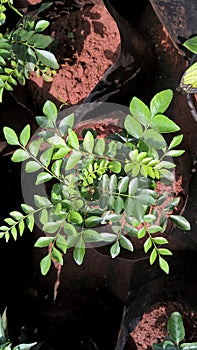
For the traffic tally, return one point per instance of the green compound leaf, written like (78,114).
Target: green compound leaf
(45,264)
(160,102)
(20,155)
(43,242)
(133,127)
(115,250)
(176,328)
(10,136)
(180,222)
(25,135)
(47,58)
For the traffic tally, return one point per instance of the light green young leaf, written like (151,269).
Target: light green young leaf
(160,240)
(16,215)
(52,227)
(108,237)
(66,123)
(56,167)
(191,44)
(45,264)
(43,177)
(25,135)
(43,242)
(14,232)
(153,256)
(32,166)
(139,111)
(123,184)
(10,136)
(175,141)
(88,142)
(160,102)
(41,25)
(27,208)
(75,218)
(20,155)
(163,124)
(72,139)
(61,153)
(50,110)
(175,153)
(154,229)
(115,166)
(133,127)
(147,245)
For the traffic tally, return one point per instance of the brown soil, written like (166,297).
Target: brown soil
(86,44)
(153,326)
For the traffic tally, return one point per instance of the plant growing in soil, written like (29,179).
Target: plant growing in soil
(23,49)
(176,335)
(5,343)
(95,182)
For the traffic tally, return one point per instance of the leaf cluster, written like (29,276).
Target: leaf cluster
(24,50)
(98,181)
(5,343)
(176,335)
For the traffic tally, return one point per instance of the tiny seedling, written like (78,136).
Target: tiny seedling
(176,335)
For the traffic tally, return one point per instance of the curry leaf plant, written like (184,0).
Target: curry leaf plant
(24,50)
(93,181)
(176,335)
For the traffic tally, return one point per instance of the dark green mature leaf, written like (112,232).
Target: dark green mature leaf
(43,242)
(176,328)
(20,155)
(73,160)
(99,146)
(153,139)
(189,346)
(91,236)
(160,102)
(166,345)
(40,41)
(126,243)
(75,218)
(10,136)
(115,250)
(25,135)
(123,184)
(45,264)
(52,227)
(133,127)
(118,205)
(47,58)
(180,222)
(79,251)
(163,124)
(93,221)
(133,186)
(140,111)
